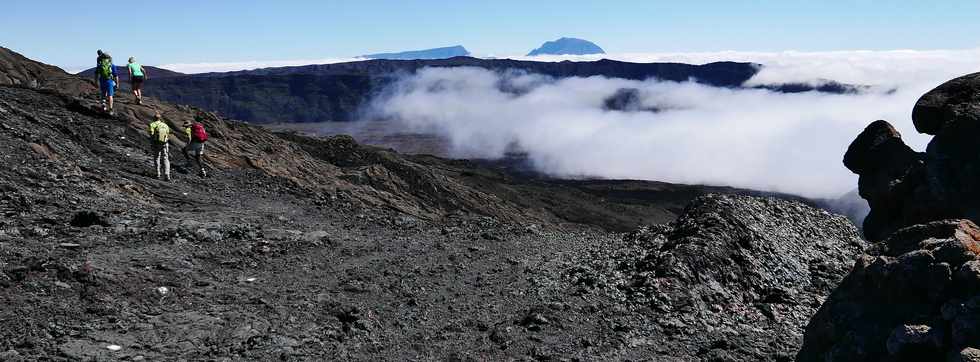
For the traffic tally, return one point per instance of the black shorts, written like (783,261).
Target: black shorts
(136,82)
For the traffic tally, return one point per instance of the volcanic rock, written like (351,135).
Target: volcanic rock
(733,275)
(914,295)
(904,187)
(953,102)
(902,302)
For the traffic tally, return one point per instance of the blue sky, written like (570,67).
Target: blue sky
(67,33)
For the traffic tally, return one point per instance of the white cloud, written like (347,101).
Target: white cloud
(746,138)
(885,68)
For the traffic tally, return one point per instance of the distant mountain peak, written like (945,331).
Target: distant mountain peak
(572,46)
(434,53)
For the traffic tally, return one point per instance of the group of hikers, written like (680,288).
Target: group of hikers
(159,131)
(108,79)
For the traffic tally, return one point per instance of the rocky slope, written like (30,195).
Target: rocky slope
(732,279)
(312,248)
(915,295)
(17,70)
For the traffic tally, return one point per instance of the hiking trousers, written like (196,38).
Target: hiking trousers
(161,153)
(195,149)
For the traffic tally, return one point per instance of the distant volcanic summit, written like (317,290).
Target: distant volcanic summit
(567,46)
(434,53)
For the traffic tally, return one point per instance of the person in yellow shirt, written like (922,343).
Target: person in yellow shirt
(159,137)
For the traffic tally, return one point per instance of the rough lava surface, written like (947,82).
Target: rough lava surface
(304,248)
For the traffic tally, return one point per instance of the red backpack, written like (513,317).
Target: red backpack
(198,133)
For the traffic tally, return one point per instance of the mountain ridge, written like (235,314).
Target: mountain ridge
(337,92)
(567,46)
(433,53)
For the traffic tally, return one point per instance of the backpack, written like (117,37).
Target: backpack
(162,132)
(105,68)
(198,133)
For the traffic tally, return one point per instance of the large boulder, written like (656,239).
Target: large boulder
(904,187)
(912,297)
(954,100)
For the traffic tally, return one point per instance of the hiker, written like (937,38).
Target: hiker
(136,77)
(196,137)
(159,135)
(105,75)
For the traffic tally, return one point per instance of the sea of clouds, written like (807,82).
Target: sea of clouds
(740,137)
(703,135)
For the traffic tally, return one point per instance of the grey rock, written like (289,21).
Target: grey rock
(907,340)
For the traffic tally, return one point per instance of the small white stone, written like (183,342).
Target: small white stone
(113,347)
(163,290)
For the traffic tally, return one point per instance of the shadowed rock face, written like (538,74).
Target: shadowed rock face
(915,294)
(905,187)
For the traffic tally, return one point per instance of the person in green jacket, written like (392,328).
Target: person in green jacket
(136,77)
(105,75)
(159,137)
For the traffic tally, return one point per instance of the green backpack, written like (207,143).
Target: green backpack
(105,68)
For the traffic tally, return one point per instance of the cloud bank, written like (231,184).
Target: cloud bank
(747,138)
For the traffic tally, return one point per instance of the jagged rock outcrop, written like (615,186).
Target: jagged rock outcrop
(913,297)
(734,278)
(15,69)
(904,187)
(915,294)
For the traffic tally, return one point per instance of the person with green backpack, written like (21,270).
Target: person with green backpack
(105,75)
(159,138)
(136,77)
